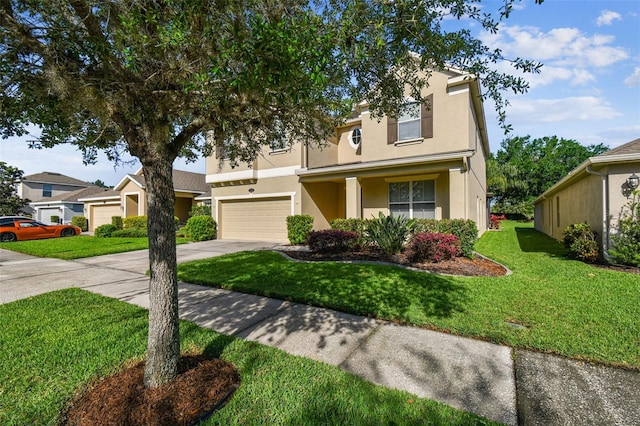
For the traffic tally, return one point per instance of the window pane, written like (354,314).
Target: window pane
(424,211)
(409,130)
(399,192)
(412,112)
(399,209)
(424,190)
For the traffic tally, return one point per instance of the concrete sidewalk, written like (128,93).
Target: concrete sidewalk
(512,387)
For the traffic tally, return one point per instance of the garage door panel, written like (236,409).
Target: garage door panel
(101,215)
(259,219)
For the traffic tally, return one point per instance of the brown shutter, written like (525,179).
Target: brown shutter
(392,130)
(426,124)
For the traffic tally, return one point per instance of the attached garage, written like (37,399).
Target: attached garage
(45,214)
(261,219)
(100,214)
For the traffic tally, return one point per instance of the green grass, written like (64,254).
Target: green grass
(568,307)
(79,247)
(56,343)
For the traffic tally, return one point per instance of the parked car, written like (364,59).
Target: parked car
(20,230)
(10,219)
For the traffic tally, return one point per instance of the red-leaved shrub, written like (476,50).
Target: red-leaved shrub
(433,247)
(332,241)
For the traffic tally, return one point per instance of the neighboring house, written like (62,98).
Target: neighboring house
(47,185)
(425,164)
(128,198)
(594,192)
(65,205)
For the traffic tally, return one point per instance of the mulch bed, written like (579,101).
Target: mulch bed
(476,267)
(122,399)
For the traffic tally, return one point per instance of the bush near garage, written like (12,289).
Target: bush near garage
(135,222)
(433,247)
(105,231)
(116,221)
(332,241)
(81,222)
(201,228)
(298,228)
(55,219)
(200,210)
(129,233)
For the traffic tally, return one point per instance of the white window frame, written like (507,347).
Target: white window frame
(409,104)
(355,137)
(411,201)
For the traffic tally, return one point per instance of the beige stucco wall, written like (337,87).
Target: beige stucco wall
(131,208)
(324,201)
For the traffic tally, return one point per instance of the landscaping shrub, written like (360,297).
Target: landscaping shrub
(495,221)
(55,219)
(332,241)
(116,221)
(465,229)
(626,242)
(176,223)
(201,228)
(200,210)
(129,233)
(298,228)
(105,231)
(135,222)
(581,242)
(357,225)
(81,222)
(433,247)
(389,232)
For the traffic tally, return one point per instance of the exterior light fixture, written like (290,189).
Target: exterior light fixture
(251,190)
(633,181)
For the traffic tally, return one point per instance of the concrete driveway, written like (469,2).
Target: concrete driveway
(24,276)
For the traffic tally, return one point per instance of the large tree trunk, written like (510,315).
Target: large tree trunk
(164,339)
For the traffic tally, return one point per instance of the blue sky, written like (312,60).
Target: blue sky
(588,90)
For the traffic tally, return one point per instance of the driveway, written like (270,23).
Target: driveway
(24,276)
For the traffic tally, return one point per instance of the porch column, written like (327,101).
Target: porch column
(354,198)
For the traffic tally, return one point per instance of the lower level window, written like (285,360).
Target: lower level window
(414,199)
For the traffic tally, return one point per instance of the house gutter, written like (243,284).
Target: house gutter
(605,210)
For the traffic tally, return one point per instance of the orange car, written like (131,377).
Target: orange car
(20,230)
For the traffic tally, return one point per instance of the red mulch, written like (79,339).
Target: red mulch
(476,267)
(122,399)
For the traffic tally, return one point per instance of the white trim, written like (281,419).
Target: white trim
(120,184)
(110,197)
(253,174)
(219,199)
(415,141)
(105,203)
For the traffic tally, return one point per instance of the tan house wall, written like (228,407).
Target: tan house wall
(33,190)
(131,207)
(324,201)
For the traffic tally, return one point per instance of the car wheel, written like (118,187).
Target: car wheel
(67,232)
(7,237)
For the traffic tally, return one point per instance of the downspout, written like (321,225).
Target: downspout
(605,211)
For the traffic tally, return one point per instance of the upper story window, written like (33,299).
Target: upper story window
(47,190)
(414,123)
(413,199)
(355,138)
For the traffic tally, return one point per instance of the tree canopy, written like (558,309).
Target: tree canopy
(151,77)
(524,168)
(10,202)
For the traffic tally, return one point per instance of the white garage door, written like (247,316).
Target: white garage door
(101,215)
(257,219)
(44,215)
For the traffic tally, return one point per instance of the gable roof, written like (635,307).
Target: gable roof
(628,152)
(54,178)
(183,181)
(73,196)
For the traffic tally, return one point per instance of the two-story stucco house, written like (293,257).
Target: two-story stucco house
(427,163)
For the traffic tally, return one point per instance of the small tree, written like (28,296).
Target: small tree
(626,250)
(10,202)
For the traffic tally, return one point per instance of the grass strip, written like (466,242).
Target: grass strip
(566,307)
(58,342)
(79,247)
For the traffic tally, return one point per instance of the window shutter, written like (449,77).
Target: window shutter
(426,124)
(392,130)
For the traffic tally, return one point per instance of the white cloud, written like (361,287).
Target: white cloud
(634,79)
(607,17)
(578,108)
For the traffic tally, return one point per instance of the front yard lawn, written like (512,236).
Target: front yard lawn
(549,303)
(58,342)
(79,247)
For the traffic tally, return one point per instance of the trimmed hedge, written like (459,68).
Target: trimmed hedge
(298,228)
(436,247)
(359,226)
(135,222)
(465,229)
(105,231)
(116,221)
(201,228)
(332,241)
(81,222)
